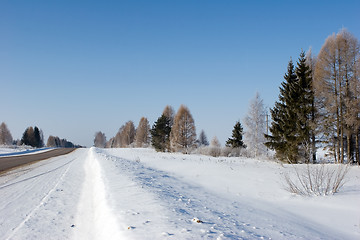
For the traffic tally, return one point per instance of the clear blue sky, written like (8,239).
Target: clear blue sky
(76,67)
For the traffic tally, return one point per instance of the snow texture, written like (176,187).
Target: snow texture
(140,194)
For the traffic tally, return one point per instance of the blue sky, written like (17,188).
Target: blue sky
(76,67)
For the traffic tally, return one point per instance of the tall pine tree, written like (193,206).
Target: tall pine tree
(305,111)
(292,129)
(283,134)
(160,134)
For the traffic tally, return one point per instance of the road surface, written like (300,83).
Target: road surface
(10,162)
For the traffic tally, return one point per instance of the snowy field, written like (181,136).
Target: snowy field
(140,194)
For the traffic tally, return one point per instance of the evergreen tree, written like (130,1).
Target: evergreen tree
(305,111)
(37,141)
(237,135)
(283,115)
(202,141)
(27,136)
(292,115)
(160,134)
(33,137)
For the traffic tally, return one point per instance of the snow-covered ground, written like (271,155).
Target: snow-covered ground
(5,151)
(140,194)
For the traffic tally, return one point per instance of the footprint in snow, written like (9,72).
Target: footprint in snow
(197,220)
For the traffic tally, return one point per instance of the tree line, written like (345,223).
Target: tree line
(319,104)
(318,107)
(177,133)
(170,132)
(34,137)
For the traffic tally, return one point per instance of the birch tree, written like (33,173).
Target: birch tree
(255,126)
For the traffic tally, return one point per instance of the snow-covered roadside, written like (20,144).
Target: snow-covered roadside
(7,152)
(39,201)
(140,194)
(259,185)
(95,219)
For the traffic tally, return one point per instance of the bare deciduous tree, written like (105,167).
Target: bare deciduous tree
(125,136)
(100,140)
(169,113)
(142,137)
(183,132)
(337,86)
(5,135)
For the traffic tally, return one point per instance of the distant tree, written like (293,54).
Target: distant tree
(67,144)
(51,142)
(237,135)
(118,139)
(54,141)
(202,141)
(160,134)
(27,138)
(215,147)
(255,127)
(125,136)
(110,143)
(38,141)
(170,114)
(142,137)
(183,132)
(128,134)
(33,137)
(5,135)
(100,140)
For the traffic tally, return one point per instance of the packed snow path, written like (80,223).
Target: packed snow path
(100,194)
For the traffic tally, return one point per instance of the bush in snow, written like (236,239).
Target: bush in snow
(316,180)
(215,147)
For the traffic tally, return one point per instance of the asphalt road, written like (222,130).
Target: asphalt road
(10,162)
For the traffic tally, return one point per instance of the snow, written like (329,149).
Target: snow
(140,194)
(6,152)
